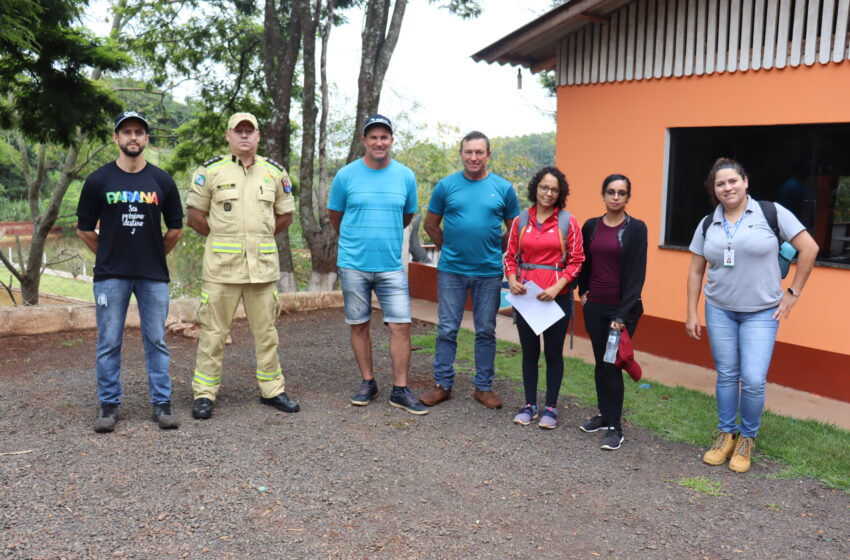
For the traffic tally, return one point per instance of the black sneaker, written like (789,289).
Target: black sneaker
(202,409)
(403,397)
(108,417)
(594,424)
(162,416)
(612,440)
(368,390)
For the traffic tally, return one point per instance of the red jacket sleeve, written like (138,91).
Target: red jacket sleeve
(511,264)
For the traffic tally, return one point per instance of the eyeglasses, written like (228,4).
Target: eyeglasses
(547,189)
(612,192)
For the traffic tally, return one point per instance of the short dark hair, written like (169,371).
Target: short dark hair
(616,177)
(475,135)
(722,163)
(563,185)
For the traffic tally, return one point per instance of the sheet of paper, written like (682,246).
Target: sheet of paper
(540,315)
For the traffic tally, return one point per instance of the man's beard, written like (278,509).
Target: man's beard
(132,152)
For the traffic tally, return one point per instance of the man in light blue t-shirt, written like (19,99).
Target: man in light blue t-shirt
(372,200)
(472,204)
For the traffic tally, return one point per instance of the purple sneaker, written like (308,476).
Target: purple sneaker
(549,418)
(526,415)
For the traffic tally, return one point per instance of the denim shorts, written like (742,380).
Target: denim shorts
(390,287)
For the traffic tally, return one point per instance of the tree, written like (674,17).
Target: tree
(45,96)
(45,93)
(281,45)
(17,20)
(316,20)
(381,30)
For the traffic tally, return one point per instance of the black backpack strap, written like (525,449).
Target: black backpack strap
(768,208)
(706,222)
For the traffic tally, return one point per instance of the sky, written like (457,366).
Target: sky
(432,78)
(432,68)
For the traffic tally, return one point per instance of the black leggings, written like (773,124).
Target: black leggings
(553,344)
(609,378)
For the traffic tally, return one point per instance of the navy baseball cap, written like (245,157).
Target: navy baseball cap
(131,115)
(377,120)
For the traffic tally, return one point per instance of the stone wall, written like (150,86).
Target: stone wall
(55,318)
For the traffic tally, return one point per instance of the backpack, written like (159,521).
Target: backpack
(563,232)
(786,250)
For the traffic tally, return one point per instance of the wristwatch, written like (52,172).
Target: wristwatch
(792,292)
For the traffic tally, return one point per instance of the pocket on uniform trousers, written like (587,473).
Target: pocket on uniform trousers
(275,305)
(202,313)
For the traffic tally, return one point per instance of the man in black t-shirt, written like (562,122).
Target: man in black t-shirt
(130,198)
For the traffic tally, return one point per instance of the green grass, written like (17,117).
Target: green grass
(703,484)
(58,286)
(807,448)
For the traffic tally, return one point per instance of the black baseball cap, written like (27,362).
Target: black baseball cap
(131,115)
(377,120)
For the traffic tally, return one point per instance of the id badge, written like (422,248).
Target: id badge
(729,257)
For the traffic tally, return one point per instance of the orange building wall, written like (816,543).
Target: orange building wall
(622,128)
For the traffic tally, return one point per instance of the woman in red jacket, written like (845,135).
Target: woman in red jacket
(543,254)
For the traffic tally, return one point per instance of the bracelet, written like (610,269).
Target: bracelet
(792,292)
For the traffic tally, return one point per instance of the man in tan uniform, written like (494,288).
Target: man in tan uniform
(239,201)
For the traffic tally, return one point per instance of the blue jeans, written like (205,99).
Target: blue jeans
(390,288)
(742,345)
(112,296)
(451,293)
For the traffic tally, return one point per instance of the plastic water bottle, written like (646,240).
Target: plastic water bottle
(612,345)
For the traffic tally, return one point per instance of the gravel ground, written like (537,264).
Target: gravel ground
(337,481)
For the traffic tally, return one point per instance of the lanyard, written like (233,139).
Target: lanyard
(731,234)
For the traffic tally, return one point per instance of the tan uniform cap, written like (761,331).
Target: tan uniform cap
(237,118)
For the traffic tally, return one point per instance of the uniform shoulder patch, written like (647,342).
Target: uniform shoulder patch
(275,164)
(213,160)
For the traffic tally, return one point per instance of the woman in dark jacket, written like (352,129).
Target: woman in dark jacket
(610,285)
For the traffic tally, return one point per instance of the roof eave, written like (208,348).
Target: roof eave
(543,33)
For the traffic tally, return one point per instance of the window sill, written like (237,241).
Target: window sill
(841,264)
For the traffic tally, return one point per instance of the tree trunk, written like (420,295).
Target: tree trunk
(31,273)
(315,226)
(282,43)
(322,191)
(379,38)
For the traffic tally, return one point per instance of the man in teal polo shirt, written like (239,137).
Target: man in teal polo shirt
(472,204)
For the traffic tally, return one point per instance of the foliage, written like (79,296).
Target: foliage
(465,9)
(163,112)
(807,448)
(548,81)
(18,18)
(44,92)
(842,201)
(518,158)
(515,158)
(14,210)
(218,45)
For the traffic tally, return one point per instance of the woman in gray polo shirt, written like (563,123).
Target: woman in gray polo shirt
(743,302)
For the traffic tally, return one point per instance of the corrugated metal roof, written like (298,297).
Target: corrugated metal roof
(535,44)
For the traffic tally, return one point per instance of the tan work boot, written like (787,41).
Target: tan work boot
(488,398)
(435,395)
(740,461)
(721,450)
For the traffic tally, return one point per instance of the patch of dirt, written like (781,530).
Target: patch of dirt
(338,481)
